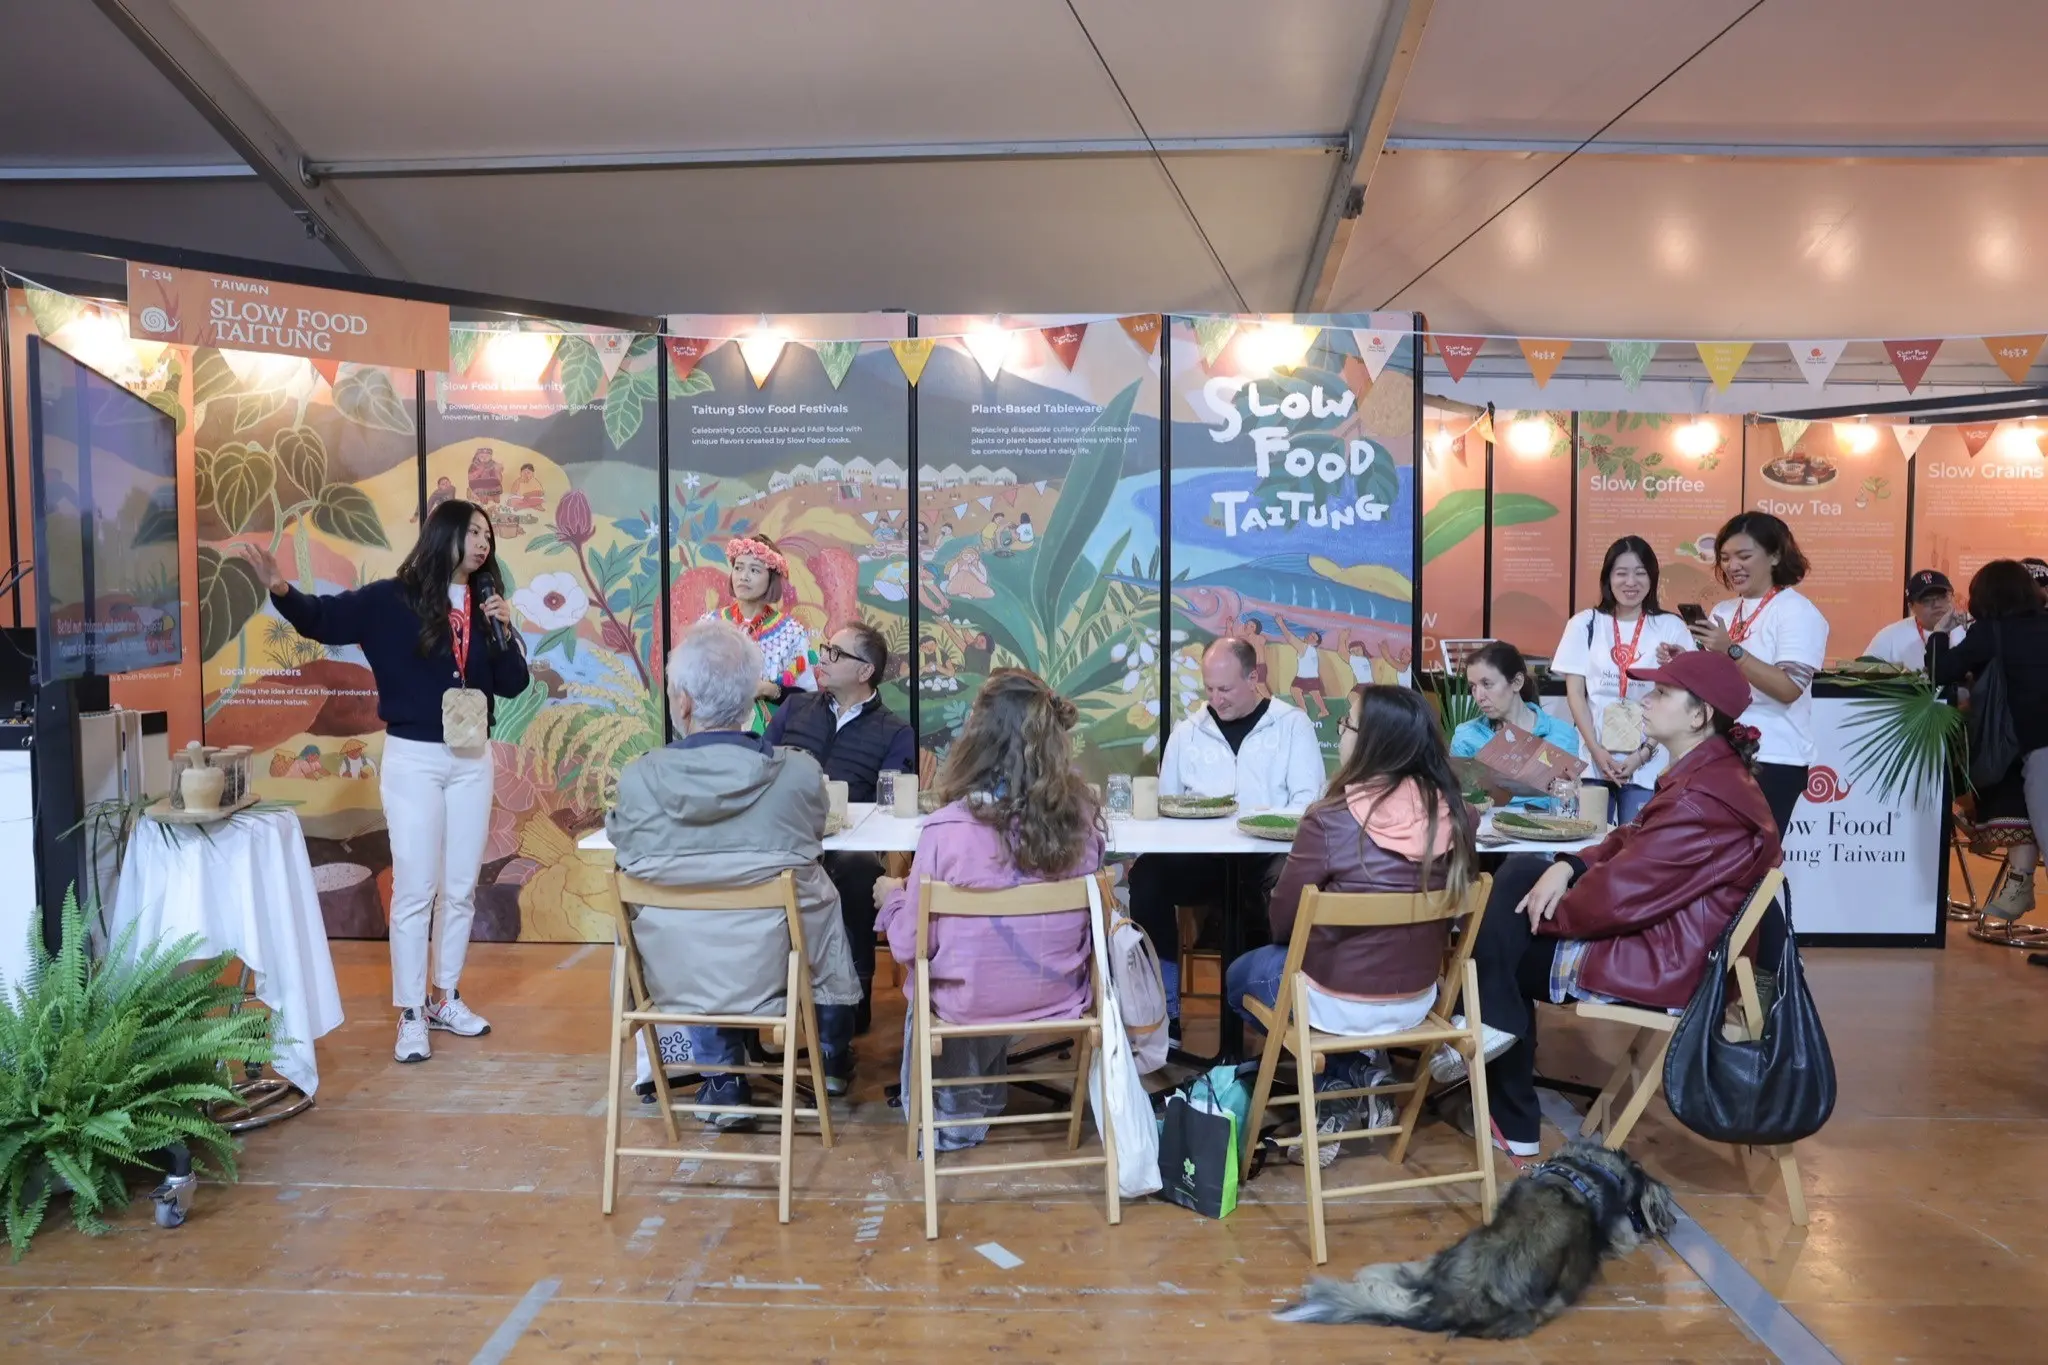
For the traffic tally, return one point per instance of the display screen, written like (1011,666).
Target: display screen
(105,488)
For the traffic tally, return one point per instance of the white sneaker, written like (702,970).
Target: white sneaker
(412,1037)
(1447,1064)
(1332,1121)
(451,1014)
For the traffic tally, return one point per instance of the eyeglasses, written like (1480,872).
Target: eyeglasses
(832,654)
(1344,726)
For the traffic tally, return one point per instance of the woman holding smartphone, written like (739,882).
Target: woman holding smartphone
(437,627)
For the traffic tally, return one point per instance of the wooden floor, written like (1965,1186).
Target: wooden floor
(449,1212)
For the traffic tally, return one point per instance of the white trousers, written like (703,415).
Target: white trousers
(437,806)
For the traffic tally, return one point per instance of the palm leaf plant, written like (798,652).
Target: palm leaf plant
(1903,737)
(105,1064)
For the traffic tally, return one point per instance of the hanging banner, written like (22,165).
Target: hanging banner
(1723,359)
(201,308)
(1790,429)
(1911,359)
(1669,479)
(1909,435)
(1544,357)
(610,348)
(2015,355)
(1976,435)
(1846,502)
(1458,353)
(1065,341)
(683,355)
(1142,329)
(1484,427)
(1816,359)
(837,358)
(1630,359)
(1531,544)
(911,354)
(1379,341)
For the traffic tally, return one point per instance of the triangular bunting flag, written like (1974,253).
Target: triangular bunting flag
(911,354)
(327,369)
(960,509)
(1816,359)
(1911,359)
(760,352)
(2015,355)
(1544,358)
(836,357)
(1143,328)
(1039,487)
(1723,359)
(1630,359)
(683,354)
(610,348)
(1790,429)
(990,348)
(1065,341)
(870,517)
(1976,435)
(1458,353)
(1212,335)
(1377,344)
(1910,435)
(1009,496)
(1484,426)
(987,503)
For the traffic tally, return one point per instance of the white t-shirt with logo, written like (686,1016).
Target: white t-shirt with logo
(1905,644)
(1576,657)
(1791,633)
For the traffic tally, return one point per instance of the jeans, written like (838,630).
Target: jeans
(437,806)
(728,1046)
(1257,974)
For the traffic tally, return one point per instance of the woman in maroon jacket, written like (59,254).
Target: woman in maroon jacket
(1633,918)
(1391,820)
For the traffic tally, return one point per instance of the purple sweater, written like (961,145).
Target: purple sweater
(990,969)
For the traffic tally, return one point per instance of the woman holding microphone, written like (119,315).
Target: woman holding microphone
(438,638)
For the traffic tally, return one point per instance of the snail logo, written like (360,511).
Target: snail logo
(1825,786)
(155,319)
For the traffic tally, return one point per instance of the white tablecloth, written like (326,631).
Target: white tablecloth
(245,887)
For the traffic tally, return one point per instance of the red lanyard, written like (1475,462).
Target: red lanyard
(1739,628)
(1625,654)
(458,626)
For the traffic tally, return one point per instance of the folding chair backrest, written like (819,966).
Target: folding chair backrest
(778,894)
(1753,913)
(1392,909)
(936,899)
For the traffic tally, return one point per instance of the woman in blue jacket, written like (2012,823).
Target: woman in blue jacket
(1505,692)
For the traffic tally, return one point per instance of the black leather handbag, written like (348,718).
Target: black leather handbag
(1994,743)
(1766,1093)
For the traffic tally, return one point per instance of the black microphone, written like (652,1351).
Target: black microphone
(486,583)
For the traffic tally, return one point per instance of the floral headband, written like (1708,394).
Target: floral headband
(740,545)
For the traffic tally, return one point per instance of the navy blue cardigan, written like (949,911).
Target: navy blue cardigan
(380,618)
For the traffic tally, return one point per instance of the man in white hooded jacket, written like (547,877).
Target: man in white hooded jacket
(1260,750)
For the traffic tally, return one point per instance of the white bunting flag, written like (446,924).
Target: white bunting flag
(870,516)
(1377,344)
(960,510)
(1910,435)
(611,350)
(987,502)
(1816,359)
(1040,485)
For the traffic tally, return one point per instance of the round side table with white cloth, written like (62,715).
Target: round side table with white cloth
(244,886)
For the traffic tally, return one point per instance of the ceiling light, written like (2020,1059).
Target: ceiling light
(1531,435)
(761,348)
(990,346)
(1857,438)
(1697,438)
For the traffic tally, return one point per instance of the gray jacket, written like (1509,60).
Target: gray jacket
(727,810)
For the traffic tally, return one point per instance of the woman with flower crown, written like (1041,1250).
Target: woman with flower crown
(759,575)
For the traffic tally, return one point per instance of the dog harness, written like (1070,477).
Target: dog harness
(1576,1178)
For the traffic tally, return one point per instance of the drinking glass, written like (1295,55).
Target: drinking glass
(1564,797)
(885,789)
(1119,795)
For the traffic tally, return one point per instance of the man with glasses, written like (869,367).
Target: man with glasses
(855,739)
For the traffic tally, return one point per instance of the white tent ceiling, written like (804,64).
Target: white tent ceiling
(1824,167)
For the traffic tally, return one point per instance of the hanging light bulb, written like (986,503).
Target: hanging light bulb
(990,347)
(2021,438)
(761,348)
(1531,435)
(1276,345)
(517,360)
(1697,438)
(1440,442)
(1856,438)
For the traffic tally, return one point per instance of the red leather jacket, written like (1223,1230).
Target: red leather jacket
(1656,895)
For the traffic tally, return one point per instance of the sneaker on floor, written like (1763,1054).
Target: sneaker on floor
(2013,897)
(711,1092)
(412,1038)
(1447,1064)
(457,1018)
(1457,1111)
(1379,1109)
(836,1086)
(1331,1121)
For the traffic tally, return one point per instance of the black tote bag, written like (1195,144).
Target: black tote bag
(1776,1090)
(1994,743)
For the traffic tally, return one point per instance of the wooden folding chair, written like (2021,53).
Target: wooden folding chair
(1641,1070)
(1287,1028)
(929,1034)
(795,1030)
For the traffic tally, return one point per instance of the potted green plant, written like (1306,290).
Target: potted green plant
(104,1065)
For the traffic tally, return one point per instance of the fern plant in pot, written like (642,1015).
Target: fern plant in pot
(104,1065)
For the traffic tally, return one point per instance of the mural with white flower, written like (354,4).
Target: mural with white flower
(552,602)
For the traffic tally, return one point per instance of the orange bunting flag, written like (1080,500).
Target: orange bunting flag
(683,355)
(1484,427)
(1911,359)
(1458,353)
(1976,435)
(2015,355)
(1723,359)
(328,369)
(1544,358)
(1143,329)
(912,353)
(1065,341)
